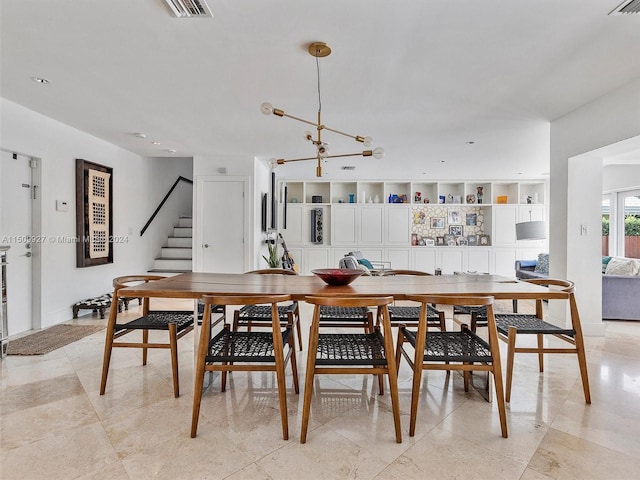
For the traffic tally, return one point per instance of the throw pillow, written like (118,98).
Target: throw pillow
(528,263)
(366,263)
(622,266)
(543,264)
(605,262)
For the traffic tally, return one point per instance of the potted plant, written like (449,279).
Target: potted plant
(273,260)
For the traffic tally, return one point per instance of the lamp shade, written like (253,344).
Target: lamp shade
(531,230)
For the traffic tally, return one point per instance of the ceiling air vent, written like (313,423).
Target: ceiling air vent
(628,7)
(189,8)
(348,167)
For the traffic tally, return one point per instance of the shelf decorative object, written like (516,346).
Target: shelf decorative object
(479,190)
(320,50)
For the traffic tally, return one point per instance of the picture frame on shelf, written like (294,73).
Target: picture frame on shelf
(421,242)
(455,230)
(437,222)
(484,240)
(440,241)
(472,240)
(454,217)
(429,241)
(449,240)
(471,219)
(471,198)
(462,241)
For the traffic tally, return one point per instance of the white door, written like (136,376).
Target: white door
(221,221)
(16,231)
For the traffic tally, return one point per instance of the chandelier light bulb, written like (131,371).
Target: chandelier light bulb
(266,108)
(378,153)
(323,150)
(368,141)
(273,163)
(308,136)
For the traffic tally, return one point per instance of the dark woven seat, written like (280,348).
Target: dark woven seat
(230,346)
(478,316)
(511,325)
(350,353)
(176,323)
(460,350)
(159,320)
(346,317)
(230,350)
(250,316)
(409,315)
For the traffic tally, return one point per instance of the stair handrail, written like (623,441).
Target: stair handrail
(153,215)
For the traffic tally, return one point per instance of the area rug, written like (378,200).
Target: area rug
(50,339)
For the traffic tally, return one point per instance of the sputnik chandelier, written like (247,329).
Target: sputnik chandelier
(318,50)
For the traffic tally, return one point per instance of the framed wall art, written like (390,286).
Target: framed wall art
(484,240)
(94,214)
(437,222)
(455,230)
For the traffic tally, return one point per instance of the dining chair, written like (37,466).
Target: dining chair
(510,326)
(177,323)
(260,315)
(231,350)
(348,352)
(460,350)
(408,315)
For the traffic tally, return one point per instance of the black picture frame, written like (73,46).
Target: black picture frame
(93,246)
(263,223)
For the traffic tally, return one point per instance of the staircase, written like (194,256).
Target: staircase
(176,256)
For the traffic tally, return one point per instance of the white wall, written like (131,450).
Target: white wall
(612,118)
(139,183)
(620,177)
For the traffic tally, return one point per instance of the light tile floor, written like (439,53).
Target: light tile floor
(54,424)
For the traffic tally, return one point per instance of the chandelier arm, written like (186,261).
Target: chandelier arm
(299,119)
(355,137)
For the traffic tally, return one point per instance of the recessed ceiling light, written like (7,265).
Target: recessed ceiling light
(171,151)
(520,173)
(155,143)
(469,142)
(41,80)
(140,135)
(442,161)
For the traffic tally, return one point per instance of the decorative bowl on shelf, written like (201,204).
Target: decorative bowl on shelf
(337,276)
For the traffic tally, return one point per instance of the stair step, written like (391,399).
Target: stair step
(179,242)
(182,231)
(173,264)
(175,252)
(185,222)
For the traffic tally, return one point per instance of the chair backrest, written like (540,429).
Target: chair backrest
(128,281)
(386,273)
(273,271)
(349,301)
(565,285)
(469,301)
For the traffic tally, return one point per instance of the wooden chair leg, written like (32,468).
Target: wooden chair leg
(582,363)
(282,391)
(145,340)
(500,400)
(310,374)
(540,354)
(199,376)
(511,350)
(108,345)
(173,342)
(393,381)
(294,364)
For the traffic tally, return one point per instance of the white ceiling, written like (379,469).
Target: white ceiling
(421,77)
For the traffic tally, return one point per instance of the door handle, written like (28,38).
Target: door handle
(28,254)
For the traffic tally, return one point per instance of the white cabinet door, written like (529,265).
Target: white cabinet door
(424,259)
(398,225)
(317,258)
(371,225)
(504,261)
(293,233)
(296,254)
(478,260)
(343,225)
(505,218)
(451,260)
(399,257)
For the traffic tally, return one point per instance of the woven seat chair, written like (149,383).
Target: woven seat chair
(177,323)
(408,315)
(461,350)
(350,353)
(511,325)
(260,315)
(231,350)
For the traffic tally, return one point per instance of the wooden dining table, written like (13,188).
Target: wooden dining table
(196,284)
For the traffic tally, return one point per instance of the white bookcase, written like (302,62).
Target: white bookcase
(379,217)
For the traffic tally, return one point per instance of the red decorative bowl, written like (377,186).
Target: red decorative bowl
(337,276)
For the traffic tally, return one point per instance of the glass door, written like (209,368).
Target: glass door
(628,227)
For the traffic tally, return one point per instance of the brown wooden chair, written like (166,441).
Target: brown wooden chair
(260,315)
(231,350)
(408,315)
(461,350)
(511,325)
(177,323)
(350,353)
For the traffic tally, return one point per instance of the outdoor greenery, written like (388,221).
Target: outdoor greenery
(273,260)
(631,226)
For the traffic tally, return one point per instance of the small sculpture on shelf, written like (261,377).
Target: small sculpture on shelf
(418,197)
(479,190)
